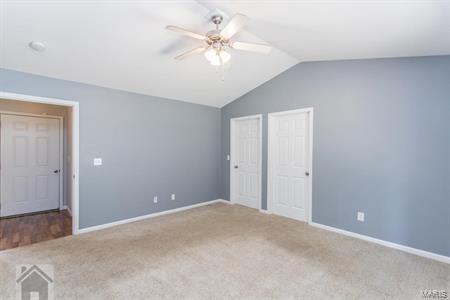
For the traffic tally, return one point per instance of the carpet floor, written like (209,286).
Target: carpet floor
(222,251)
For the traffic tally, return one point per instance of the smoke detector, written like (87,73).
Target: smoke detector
(37,46)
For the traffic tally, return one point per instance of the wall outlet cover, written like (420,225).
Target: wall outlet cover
(172,197)
(98,162)
(155,199)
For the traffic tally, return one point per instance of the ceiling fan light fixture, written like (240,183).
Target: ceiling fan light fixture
(217,40)
(217,58)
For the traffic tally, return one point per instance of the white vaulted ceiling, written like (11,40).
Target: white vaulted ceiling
(124,44)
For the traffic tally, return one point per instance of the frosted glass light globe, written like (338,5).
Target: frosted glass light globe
(214,58)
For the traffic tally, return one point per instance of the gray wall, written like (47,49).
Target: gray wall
(150,146)
(53,110)
(381,144)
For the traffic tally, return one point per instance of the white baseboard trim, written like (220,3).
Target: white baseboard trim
(152,215)
(423,253)
(265,211)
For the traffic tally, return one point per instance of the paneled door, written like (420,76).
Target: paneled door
(30,164)
(289,164)
(246,161)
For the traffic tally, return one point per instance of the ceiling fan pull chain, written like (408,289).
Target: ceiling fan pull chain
(223,68)
(217,67)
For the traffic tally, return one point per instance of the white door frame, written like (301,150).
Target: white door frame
(61,147)
(75,144)
(270,152)
(232,155)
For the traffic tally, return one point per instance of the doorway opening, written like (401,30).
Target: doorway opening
(245,161)
(39,168)
(289,178)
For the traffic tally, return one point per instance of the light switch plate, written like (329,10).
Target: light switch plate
(228,157)
(155,199)
(98,162)
(360,216)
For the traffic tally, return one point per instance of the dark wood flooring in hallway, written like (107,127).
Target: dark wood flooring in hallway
(30,229)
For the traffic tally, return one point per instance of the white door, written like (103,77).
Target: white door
(246,162)
(29,164)
(289,165)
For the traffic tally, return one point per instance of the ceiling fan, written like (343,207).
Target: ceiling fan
(216,42)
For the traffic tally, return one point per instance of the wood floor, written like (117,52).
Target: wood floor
(26,230)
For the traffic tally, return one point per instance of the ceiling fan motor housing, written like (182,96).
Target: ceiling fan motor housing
(213,37)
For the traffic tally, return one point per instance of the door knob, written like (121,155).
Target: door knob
(236,167)
(56,171)
(307,173)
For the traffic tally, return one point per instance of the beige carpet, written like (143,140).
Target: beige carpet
(223,251)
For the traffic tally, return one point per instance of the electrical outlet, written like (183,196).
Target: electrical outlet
(172,197)
(228,157)
(360,216)
(98,162)
(155,199)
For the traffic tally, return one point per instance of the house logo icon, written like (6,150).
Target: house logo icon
(34,282)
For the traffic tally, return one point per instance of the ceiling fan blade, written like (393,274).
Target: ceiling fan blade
(190,52)
(238,21)
(261,48)
(185,32)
